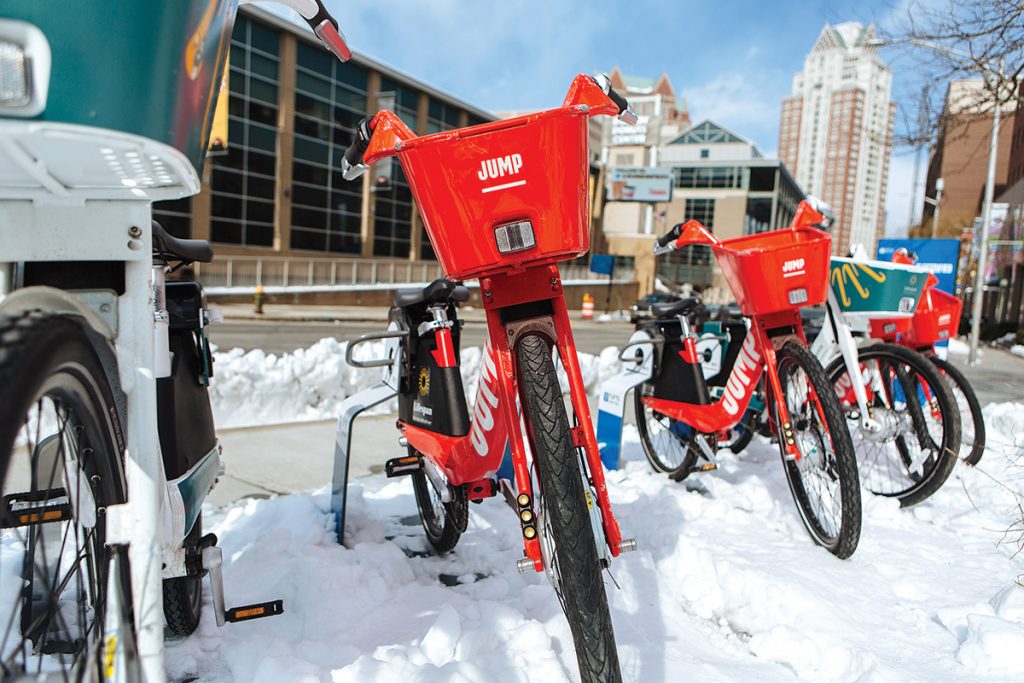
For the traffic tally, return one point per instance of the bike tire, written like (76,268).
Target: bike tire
(183,595)
(831,459)
(972,436)
(668,448)
(886,462)
(573,562)
(442,522)
(60,447)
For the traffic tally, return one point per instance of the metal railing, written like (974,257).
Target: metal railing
(282,271)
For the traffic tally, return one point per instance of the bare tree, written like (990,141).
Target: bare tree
(959,40)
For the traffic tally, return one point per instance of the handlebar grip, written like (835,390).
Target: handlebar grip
(352,163)
(621,102)
(670,236)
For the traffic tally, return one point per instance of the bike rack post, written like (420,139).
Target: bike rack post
(351,407)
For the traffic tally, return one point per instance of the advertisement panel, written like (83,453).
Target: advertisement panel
(941,257)
(639,184)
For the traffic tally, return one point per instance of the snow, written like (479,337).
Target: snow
(725,586)
(257,388)
(1017,350)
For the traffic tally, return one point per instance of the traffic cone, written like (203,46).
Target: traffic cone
(588,307)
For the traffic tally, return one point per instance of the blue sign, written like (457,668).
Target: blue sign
(941,257)
(602,263)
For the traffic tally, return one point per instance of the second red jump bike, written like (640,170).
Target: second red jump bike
(680,422)
(503,202)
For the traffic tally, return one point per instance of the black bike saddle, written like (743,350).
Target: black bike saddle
(184,250)
(685,306)
(438,291)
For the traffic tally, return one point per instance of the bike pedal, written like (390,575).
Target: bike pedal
(707,467)
(397,467)
(257,611)
(34,507)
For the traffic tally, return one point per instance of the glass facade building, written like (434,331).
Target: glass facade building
(293,110)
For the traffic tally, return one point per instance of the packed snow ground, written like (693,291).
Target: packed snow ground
(726,585)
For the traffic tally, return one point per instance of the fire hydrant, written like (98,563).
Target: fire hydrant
(258,299)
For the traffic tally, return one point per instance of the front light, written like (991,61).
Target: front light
(797,296)
(24,69)
(513,237)
(14,78)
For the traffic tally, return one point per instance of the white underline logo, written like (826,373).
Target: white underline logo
(494,188)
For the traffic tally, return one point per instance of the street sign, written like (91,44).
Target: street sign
(602,263)
(639,184)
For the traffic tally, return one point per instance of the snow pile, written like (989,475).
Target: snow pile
(1017,350)
(258,388)
(725,586)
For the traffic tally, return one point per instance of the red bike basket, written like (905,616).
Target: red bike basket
(936,319)
(469,182)
(778,270)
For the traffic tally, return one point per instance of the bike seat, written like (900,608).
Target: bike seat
(690,304)
(184,250)
(438,291)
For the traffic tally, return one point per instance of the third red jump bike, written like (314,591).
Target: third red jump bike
(503,202)
(772,275)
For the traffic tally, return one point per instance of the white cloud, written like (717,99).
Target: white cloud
(746,102)
(900,193)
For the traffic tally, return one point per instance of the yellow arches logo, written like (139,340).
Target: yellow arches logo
(847,277)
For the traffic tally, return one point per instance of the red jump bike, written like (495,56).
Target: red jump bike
(772,275)
(503,202)
(936,319)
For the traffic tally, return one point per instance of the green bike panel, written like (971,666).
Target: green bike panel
(147,67)
(876,287)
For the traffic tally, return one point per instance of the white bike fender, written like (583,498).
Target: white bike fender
(612,405)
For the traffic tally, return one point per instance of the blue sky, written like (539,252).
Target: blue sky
(733,60)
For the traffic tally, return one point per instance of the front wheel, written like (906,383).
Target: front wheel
(60,470)
(823,479)
(566,532)
(911,448)
(972,422)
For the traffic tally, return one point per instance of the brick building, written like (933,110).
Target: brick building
(960,157)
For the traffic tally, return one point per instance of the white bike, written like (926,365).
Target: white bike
(107,445)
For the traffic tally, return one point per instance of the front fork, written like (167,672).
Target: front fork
(533,286)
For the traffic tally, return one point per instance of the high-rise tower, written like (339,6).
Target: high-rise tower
(835,133)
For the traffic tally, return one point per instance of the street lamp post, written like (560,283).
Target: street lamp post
(989,73)
(979,280)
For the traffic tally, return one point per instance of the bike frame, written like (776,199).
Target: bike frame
(756,358)
(766,334)
(473,459)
